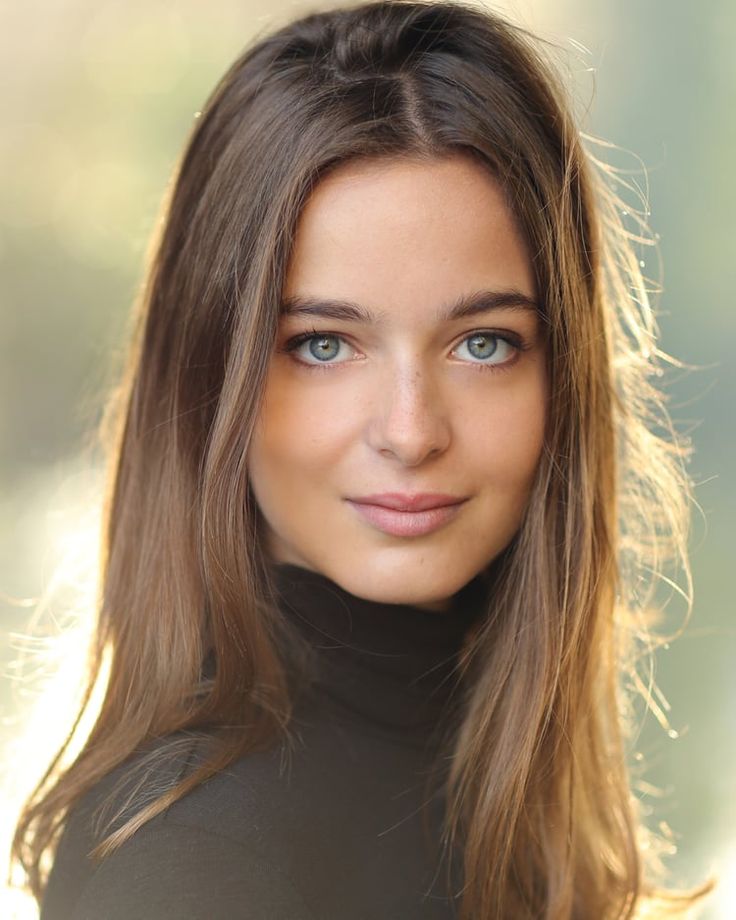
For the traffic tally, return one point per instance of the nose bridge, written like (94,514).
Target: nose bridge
(412,387)
(411,420)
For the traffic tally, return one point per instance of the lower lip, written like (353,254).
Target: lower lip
(406,523)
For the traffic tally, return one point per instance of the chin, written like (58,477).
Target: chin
(397,588)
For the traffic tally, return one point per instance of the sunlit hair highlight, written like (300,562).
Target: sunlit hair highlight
(539,799)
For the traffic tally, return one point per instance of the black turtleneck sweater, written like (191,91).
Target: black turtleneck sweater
(345,826)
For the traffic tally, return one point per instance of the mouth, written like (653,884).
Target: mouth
(402,523)
(402,501)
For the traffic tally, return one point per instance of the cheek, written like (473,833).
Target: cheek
(507,436)
(299,432)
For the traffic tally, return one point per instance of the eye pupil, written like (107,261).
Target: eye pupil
(490,342)
(322,351)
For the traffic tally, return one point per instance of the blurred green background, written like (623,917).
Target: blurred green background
(97,101)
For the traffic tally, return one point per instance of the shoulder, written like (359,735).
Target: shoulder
(175,872)
(183,863)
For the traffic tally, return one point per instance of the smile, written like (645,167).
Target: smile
(406,523)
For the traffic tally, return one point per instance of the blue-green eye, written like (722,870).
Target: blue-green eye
(323,347)
(483,345)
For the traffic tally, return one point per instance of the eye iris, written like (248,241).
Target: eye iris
(488,340)
(318,349)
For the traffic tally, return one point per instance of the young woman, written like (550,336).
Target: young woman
(383,483)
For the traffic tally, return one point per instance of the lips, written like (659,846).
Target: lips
(408,523)
(399,501)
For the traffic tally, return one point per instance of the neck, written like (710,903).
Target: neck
(388,666)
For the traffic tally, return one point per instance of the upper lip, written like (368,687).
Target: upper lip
(400,501)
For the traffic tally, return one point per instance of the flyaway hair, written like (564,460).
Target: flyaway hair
(539,797)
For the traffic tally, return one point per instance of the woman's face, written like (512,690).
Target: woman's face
(404,399)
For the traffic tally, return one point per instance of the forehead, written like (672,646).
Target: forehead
(396,234)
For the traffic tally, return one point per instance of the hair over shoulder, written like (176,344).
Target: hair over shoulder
(539,797)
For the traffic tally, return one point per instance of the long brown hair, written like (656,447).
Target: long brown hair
(538,789)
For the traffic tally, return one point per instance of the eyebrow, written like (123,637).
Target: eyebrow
(464,306)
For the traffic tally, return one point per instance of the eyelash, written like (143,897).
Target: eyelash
(515,341)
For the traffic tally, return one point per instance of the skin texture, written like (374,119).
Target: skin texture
(408,404)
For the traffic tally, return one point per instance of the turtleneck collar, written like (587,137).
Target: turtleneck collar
(392,665)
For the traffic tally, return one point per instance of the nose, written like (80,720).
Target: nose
(410,421)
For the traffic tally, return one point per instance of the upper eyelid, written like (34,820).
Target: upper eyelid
(501,333)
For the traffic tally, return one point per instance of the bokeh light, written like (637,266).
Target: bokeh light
(99,99)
